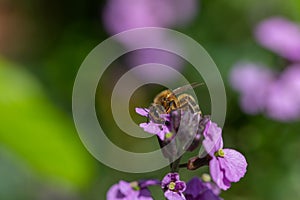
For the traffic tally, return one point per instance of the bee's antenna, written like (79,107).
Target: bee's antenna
(186,87)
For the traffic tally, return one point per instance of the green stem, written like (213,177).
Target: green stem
(175,165)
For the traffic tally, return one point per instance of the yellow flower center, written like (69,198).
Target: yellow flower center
(206,177)
(171,186)
(220,153)
(135,185)
(169,135)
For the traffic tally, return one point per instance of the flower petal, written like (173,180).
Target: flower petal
(208,195)
(114,193)
(157,129)
(144,194)
(217,174)
(150,182)
(170,177)
(125,187)
(174,195)
(180,186)
(195,187)
(142,111)
(213,139)
(234,164)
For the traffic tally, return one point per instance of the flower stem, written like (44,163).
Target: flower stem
(175,165)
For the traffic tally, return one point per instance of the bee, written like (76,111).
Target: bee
(169,100)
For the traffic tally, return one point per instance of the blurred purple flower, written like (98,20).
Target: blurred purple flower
(145,56)
(226,165)
(253,82)
(211,185)
(281,36)
(120,15)
(157,129)
(173,187)
(134,190)
(291,78)
(198,190)
(283,102)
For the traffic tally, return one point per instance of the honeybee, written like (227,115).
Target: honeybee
(169,100)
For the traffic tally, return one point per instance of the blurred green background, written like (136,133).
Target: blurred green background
(42,44)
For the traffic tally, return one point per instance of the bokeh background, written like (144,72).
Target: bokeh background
(42,45)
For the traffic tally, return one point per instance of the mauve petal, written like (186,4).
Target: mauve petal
(145,56)
(247,77)
(114,193)
(205,121)
(213,139)
(174,195)
(253,82)
(234,164)
(254,103)
(142,198)
(208,195)
(170,177)
(120,15)
(291,79)
(166,180)
(226,182)
(281,36)
(282,103)
(161,134)
(150,128)
(142,111)
(146,183)
(213,187)
(217,174)
(125,187)
(194,187)
(145,194)
(180,186)
(156,129)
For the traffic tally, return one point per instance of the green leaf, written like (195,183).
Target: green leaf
(38,132)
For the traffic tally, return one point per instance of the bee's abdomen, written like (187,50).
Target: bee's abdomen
(187,102)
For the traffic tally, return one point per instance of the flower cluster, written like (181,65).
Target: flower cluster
(120,15)
(268,91)
(134,190)
(189,130)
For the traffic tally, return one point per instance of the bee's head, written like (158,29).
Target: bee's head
(167,99)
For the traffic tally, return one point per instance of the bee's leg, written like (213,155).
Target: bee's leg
(171,106)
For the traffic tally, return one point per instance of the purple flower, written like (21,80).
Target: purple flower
(291,77)
(196,189)
(261,92)
(253,82)
(226,165)
(211,185)
(173,187)
(157,129)
(131,191)
(120,15)
(281,36)
(144,56)
(283,102)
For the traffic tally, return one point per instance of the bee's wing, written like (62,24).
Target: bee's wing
(187,130)
(181,89)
